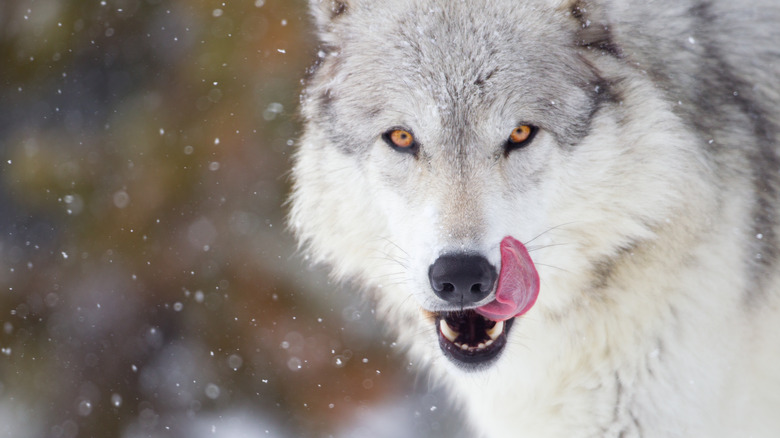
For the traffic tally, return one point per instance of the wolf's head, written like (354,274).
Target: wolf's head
(453,149)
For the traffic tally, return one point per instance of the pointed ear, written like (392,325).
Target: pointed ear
(326,13)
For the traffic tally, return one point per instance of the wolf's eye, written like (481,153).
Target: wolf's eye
(520,136)
(400,140)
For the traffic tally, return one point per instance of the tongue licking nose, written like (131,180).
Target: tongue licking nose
(518,283)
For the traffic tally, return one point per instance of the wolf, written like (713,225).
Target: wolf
(566,210)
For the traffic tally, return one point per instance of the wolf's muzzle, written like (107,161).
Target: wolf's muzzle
(462,279)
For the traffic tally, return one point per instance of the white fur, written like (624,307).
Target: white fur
(665,343)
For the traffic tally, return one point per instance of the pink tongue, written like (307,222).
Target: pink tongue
(518,283)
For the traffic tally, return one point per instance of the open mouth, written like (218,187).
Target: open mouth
(474,339)
(471,340)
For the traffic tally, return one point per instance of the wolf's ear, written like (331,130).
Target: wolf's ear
(326,13)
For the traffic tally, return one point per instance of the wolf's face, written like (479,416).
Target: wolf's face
(473,160)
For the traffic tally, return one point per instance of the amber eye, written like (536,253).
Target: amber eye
(520,134)
(401,140)
(520,137)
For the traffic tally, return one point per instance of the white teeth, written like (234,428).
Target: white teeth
(451,335)
(496,331)
(481,345)
(448,333)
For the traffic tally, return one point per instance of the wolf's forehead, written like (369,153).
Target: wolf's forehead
(458,50)
(427,68)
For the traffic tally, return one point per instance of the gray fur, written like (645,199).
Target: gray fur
(649,199)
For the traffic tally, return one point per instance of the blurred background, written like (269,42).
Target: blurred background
(147,285)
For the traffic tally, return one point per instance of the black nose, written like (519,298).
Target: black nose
(462,279)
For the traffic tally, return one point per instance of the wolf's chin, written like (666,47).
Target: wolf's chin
(469,340)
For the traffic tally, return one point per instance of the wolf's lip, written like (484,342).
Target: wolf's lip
(469,339)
